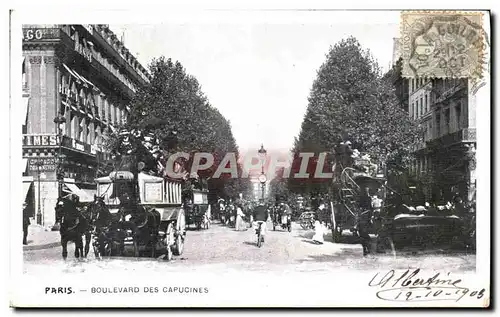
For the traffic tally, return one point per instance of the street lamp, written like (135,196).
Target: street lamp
(59,120)
(262,178)
(38,163)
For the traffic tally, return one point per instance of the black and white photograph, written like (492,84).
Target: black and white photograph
(250,158)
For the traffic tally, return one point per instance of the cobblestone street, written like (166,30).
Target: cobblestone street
(221,249)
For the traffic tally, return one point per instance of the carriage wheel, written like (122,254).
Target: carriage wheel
(304,224)
(168,240)
(180,234)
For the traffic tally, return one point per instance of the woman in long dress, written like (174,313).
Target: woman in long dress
(239,218)
(318,233)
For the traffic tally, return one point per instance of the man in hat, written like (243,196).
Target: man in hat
(26,223)
(260,216)
(364,219)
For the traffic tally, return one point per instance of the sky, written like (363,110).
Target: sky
(258,74)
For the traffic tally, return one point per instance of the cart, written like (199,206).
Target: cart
(159,226)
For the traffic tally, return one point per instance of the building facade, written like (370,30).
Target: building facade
(78,81)
(445,109)
(445,157)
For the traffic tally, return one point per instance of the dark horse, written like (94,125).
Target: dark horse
(73,226)
(142,223)
(100,219)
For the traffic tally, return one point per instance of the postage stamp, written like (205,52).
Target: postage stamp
(442,44)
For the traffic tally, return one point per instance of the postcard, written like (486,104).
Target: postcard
(250,158)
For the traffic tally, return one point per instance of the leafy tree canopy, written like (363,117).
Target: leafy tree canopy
(350,100)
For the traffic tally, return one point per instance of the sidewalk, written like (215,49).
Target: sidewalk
(41,238)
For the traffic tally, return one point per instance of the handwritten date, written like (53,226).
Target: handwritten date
(410,287)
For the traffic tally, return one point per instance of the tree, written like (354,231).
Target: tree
(350,100)
(175,110)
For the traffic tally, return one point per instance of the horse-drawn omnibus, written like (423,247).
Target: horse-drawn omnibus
(147,196)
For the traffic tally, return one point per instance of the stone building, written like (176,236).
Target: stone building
(445,159)
(78,81)
(445,109)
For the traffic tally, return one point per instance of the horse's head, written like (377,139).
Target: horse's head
(59,209)
(98,209)
(66,210)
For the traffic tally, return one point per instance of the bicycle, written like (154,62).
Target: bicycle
(259,235)
(306,220)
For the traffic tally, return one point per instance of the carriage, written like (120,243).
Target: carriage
(155,202)
(345,208)
(197,208)
(393,223)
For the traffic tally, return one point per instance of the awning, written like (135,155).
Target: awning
(24,110)
(77,76)
(26,188)
(89,192)
(71,72)
(77,191)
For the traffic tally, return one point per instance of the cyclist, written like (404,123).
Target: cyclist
(260,215)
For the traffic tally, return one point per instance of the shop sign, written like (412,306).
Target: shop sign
(40,140)
(80,146)
(46,164)
(37,34)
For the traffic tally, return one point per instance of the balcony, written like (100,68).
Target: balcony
(439,95)
(461,136)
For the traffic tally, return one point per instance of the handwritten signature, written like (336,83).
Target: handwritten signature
(408,286)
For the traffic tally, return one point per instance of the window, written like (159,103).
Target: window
(438,124)
(426,103)
(90,130)
(82,134)
(421,106)
(447,120)
(458,114)
(416,109)
(97,135)
(74,126)
(25,84)
(411,109)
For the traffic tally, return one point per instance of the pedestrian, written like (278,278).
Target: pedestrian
(26,223)
(364,220)
(318,232)
(239,218)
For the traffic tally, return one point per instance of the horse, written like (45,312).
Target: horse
(100,220)
(73,225)
(143,223)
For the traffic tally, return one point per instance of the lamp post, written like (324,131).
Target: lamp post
(59,120)
(262,178)
(38,163)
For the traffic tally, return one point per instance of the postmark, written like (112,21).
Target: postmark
(442,44)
